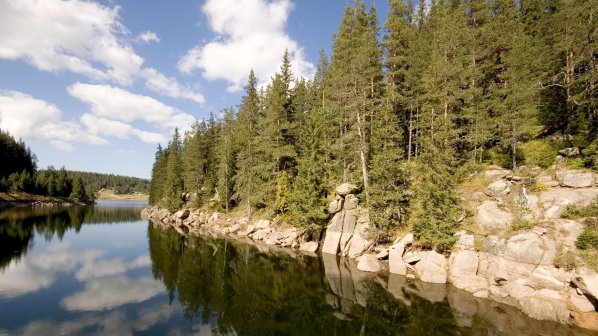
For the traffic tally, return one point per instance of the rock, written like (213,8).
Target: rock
(490,217)
(411,260)
(382,255)
(571,151)
(517,290)
(359,243)
(395,259)
(525,247)
(575,178)
(466,241)
(431,267)
(182,214)
(580,302)
(496,188)
(463,267)
(349,222)
(250,229)
(542,278)
(346,188)
(261,234)
(481,294)
(336,205)
(333,234)
(351,202)
(496,173)
(263,224)
(546,305)
(588,283)
(232,229)
(555,200)
(513,178)
(407,240)
(311,246)
(368,263)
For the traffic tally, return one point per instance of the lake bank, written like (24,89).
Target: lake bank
(108,194)
(21,199)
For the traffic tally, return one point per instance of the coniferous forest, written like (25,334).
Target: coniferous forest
(404,111)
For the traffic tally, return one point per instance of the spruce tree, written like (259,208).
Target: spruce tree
(225,154)
(173,189)
(246,173)
(158,178)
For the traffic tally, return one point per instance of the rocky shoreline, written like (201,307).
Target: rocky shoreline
(515,268)
(37,203)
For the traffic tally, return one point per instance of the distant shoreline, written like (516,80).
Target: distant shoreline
(21,199)
(106,194)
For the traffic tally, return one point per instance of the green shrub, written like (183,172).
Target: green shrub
(502,157)
(573,211)
(521,224)
(590,155)
(566,260)
(589,237)
(539,153)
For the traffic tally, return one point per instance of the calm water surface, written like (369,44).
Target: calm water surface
(103,271)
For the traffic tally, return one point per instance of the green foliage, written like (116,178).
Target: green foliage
(158,180)
(590,155)
(78,192)
(173,189)
(573,211)
(539,153)
(589,237)
(435,206)
(283,191)
(566,260)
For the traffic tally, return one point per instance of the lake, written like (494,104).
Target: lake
(103,271)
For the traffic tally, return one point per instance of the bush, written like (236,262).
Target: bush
(590,155)
(589,237)
(566,260)
(574,211)
(502,157)
(539,153)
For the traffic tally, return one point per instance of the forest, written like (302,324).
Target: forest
(405,111)
(19,173)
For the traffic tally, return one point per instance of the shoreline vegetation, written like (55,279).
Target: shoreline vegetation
(19,199)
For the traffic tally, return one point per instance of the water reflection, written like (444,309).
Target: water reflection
(19,225)
(240,290)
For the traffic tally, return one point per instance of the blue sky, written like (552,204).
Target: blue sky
(96,85)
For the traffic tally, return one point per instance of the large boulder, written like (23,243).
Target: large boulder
(546,304)
(346,189)
(525,247)
(555,200)
(182,214)
(368,263)
(359,242)
(432,267)
(580,302)
(496,173)
(497,188)
(490,217)
(336,205)
(333,234)
(395,259)
(588,283)
(571,151)
(351,202)
(575,178)
(463,272)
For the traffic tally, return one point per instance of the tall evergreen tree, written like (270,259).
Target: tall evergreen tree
(173,189)
(158,179)
(246,174)
(225,154)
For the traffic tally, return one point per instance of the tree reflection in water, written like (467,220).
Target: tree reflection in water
(19,225)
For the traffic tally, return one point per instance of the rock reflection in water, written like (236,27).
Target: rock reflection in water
(239,289)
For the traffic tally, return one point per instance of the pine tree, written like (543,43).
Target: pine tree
(246,174)
(158,179)
(173,189)
(78,193)
(225,154)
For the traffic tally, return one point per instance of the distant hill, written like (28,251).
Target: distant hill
(120,184)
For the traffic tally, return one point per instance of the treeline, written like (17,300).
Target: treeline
(18,172)
(120,184)
(450,87)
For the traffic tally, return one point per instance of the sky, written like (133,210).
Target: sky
(97,85)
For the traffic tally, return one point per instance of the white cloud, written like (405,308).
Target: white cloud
(117,104)
(30,118)
(119,129)
(148,37)
(81,37)
(250,35)
(168,86)
(99,268)
(111,292)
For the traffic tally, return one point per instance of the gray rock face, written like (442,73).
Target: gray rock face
(431,267)
(336,205)
(580,302)
(575,178)
(368,263)
(466,241)
(490,217)
(333,234)
(545,304)
(525,247)
(351,202)
(463,267)
(346,189)
(496,173)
